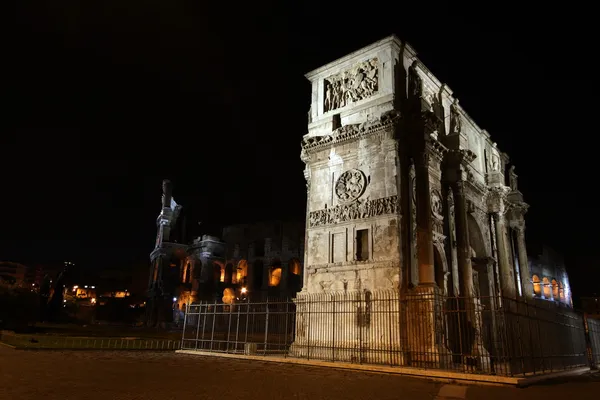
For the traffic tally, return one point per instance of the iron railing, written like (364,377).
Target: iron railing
(489,335)
(56,342)
(593,336)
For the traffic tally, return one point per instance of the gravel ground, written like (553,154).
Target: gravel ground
(108,375)
(113,375)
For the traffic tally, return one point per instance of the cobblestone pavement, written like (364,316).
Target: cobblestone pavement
(147,375)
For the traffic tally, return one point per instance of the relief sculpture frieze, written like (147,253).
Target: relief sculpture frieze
(350,86)
(350,212)
(350,185)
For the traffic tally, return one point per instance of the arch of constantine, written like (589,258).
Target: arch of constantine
(411,206)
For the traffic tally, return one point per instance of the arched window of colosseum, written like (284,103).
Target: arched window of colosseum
(275,276)
(219,272)
(537,287)
(555,290)
(242,271)
(228,273)
(187,272)
(561,291)
(295,267)
(547,288)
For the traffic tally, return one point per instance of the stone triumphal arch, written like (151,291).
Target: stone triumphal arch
(406,194)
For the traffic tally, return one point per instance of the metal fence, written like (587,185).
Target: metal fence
(488,335)
(593,335)
(52,342)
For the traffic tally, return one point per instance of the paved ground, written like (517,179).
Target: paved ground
(144,375)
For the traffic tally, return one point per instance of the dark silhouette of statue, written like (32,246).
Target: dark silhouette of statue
(415,84)
(56,302)
(44,296)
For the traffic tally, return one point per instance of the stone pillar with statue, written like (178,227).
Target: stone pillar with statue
(516,215)
(456,176)
(352,253)
(161,286)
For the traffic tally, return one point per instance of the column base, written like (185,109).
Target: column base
(425,328)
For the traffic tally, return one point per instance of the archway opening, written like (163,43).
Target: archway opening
(483,280)
(242,272)
(555,291)
(537,286)
(547,288)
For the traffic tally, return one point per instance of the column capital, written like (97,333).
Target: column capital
(496,200)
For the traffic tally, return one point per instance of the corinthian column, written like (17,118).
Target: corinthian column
(465,268)
(305,269)
(507,278)
(526,282)
(424,224)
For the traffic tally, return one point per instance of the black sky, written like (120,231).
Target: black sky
(104,101)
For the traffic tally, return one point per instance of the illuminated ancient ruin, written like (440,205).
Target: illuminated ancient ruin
(249,262)
(407,198)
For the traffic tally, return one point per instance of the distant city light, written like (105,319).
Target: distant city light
(93,287)
(174,299)
(93,300)
(244,290)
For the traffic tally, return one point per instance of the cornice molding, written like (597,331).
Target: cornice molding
(348,132)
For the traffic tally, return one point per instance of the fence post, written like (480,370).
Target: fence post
(285,332)
(308,333)
(229,328)
(588,343)
(187,310)
(333,329)
(237,328)
(212,334)
(199,307)
(266,325)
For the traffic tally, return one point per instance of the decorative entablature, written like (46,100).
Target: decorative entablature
(348,132)
(167,249)
(478,187)
(434,151)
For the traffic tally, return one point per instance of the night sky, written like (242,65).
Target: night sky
(104,101)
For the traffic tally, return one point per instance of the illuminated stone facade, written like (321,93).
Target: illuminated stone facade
(550,280)
(405,191)
(249,262)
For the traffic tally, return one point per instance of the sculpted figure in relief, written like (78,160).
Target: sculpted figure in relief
(353,211)
(455,121)
(495,163)
(436,203)
(415,83)
(351,86)
(512,179)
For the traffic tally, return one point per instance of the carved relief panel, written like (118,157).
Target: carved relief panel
(350,185)
(350,86)
(414,262)
(353,211)
(437,214)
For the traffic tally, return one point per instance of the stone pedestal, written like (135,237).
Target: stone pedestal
(361,327)
(425,330)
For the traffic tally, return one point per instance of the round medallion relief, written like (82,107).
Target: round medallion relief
(436,203)
(350,185)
